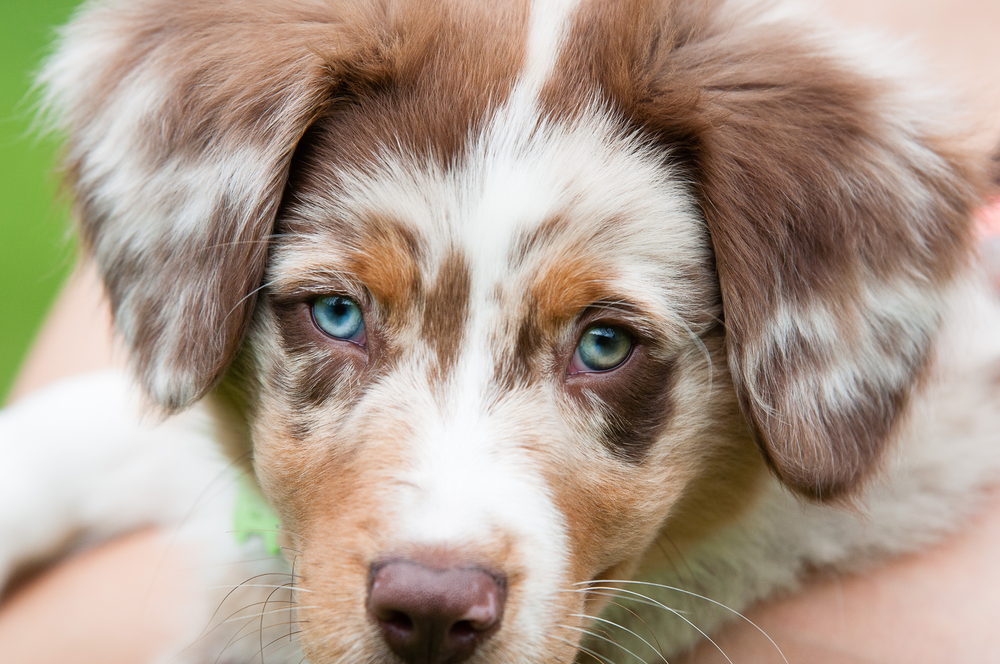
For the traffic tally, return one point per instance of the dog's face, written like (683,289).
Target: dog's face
(501,365)
(500,293)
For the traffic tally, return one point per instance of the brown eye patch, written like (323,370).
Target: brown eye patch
(635,399)
(320,365)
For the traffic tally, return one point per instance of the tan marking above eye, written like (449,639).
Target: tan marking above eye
(566,287)
(388,265)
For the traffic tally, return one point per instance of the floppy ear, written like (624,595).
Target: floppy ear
(182,118)
(839,211)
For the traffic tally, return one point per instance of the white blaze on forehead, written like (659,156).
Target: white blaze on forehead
(549,24)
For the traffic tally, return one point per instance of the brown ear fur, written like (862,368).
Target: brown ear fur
(838,220)
(839,209)
(182,119)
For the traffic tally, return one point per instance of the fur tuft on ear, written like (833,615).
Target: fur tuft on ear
(182,119)
(840,211)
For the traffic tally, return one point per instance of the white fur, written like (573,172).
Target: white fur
(548,27)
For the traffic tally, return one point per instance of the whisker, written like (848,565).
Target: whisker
(600,658)
(626,629)
(263,612)
(244,584)
(254,585)
(294,560)
(268,613)
(680,554)
(278,649)
(233,639)
(705,353)
(652,632)
(604,632)
(702,597)
(233,617)
(603,638)
(249,620)
(247,297)
(593,591)
(679,615)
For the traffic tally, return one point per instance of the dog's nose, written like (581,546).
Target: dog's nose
(435,616)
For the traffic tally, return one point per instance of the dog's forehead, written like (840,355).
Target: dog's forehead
(555,205)
(532,199)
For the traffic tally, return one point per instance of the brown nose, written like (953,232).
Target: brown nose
(435,616)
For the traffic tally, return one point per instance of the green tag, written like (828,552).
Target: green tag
(252,516)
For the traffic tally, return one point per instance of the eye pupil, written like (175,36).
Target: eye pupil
(603,347)
(339,317)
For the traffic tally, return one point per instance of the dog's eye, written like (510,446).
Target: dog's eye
(601,348)
(339,317)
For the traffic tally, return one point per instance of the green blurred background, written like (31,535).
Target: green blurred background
(35,250)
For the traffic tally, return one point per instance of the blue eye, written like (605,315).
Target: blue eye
(339,317)
(601,348)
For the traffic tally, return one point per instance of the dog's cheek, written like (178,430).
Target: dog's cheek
(701,461)
(331,494)
(341,526)
(610,509)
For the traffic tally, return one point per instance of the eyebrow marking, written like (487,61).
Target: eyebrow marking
(446,310)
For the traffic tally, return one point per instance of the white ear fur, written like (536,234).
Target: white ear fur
(182,119)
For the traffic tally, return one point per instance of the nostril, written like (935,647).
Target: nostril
(397,620)
(463,629)
(435,616)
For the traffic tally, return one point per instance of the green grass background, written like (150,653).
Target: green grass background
(35,252)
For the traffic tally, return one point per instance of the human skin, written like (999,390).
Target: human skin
(120,602)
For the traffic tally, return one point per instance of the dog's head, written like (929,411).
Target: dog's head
(501,292)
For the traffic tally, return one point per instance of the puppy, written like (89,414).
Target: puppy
(511,306)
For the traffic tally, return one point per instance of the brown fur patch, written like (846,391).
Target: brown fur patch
(432,76)
(537,238)
(635,398)
(370,79)
(566,284)
(446,310)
